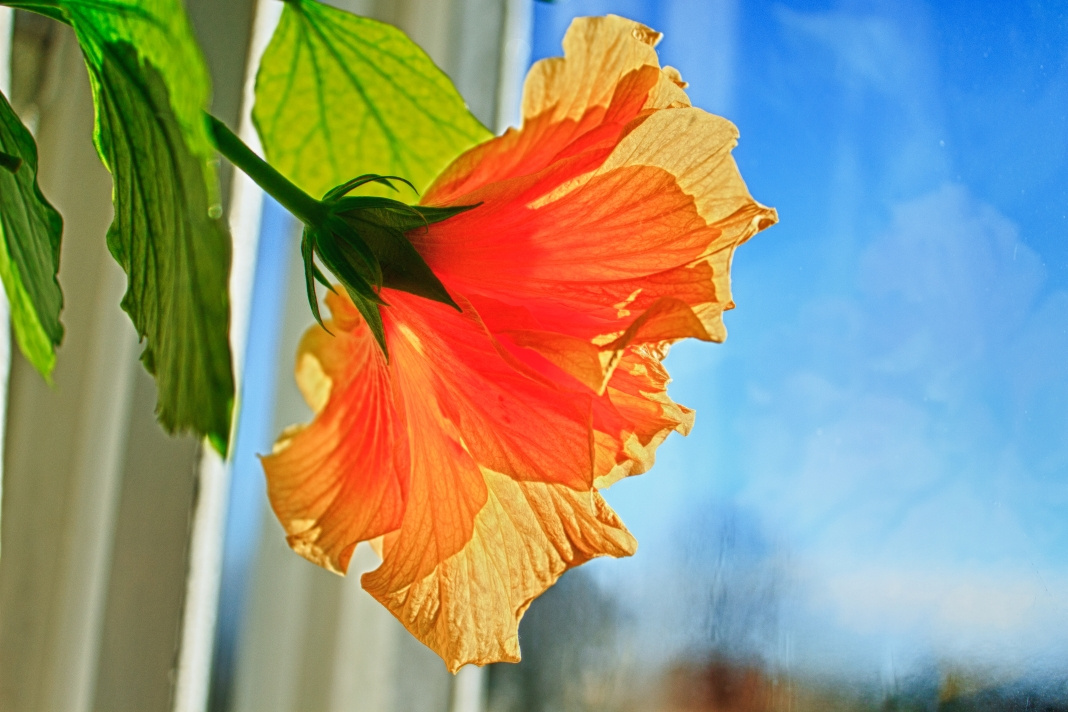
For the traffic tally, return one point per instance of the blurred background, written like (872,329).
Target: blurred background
(870,514)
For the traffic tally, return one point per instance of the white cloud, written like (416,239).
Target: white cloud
(887,443)
(870,50)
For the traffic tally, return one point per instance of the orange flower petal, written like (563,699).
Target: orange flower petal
(635,415)
(509,419)
(609,76)
(344,478)
(581,249)
(525,536)
(598,52)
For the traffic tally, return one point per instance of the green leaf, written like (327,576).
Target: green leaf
(48,8)
(170,241)
(339,95)
(29,258)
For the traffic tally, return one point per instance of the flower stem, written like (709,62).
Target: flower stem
(304,207)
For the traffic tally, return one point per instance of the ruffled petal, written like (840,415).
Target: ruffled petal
(343,478)
(598,52)
(525,536)
(635,415)
(498,497)
(711,178)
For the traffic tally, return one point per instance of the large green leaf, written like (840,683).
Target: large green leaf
(175,250)
(150,87)
(29,257)
(339,96)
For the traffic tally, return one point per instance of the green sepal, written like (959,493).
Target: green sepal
(321,278)
(311,273)
(435,215)
(364,261)
(373,316)
(418,216)
(335,193)
(366,300)
(403,268)
(339,260)
(29,256)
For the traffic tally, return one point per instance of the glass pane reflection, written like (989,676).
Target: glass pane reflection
(871,512)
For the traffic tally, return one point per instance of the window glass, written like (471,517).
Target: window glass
(871,512)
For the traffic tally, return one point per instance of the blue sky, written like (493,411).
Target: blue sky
(889,417)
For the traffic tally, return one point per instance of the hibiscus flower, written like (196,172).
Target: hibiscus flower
(473,454)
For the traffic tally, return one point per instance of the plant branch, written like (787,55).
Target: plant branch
(304,207)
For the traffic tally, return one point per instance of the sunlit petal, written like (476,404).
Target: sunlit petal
(526,535)
(343,478)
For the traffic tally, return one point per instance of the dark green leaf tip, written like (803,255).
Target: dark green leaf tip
(10,163)
(373,318)
(219,444)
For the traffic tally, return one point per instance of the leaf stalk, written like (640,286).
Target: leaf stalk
(303,207)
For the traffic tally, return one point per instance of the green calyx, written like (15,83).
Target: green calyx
(363,241)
